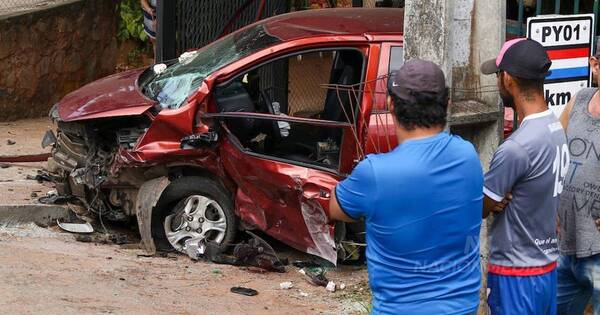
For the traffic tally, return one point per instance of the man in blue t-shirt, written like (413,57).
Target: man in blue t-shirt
(421,204)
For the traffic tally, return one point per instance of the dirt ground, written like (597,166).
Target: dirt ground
(18,138)
(45,270)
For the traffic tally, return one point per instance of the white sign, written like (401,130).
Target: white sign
(568,39)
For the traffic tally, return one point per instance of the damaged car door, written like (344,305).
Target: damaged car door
(284,190)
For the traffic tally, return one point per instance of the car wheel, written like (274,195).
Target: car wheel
(193,208)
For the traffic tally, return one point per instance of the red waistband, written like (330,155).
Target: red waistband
(520,271)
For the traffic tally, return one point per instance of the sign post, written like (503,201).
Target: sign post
(569,40)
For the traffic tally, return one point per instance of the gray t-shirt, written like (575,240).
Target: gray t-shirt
(531,164)
(580,201)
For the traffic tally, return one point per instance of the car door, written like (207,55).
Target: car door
(287,138)
(381,130)
(284,196)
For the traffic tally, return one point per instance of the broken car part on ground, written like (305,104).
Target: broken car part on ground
(251,132)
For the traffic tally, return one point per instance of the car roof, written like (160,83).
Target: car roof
(342,21)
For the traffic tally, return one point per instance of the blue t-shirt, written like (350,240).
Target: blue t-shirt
(422,205)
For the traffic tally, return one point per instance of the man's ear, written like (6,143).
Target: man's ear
(595,65)
(508,81)
(389,103)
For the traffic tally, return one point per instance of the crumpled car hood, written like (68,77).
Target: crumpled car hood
(115,95)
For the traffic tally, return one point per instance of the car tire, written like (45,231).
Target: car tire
(176,196)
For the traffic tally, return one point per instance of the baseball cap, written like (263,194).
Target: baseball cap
(522,58)
(416,75)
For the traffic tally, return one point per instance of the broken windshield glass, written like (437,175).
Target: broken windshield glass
(172,86)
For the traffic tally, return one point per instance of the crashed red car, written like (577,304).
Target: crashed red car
(250,132)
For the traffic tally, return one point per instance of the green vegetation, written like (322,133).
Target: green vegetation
(131,22)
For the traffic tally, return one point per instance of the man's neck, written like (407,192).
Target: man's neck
(418,133)
(529,106)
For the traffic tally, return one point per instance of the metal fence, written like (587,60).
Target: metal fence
(201,22)
(13,6)
(519,10)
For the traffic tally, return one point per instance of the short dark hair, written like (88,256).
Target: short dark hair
(427,110)
(530,86)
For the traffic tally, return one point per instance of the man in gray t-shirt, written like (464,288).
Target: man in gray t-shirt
(579,262)
(531,165)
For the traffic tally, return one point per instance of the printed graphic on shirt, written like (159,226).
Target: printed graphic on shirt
(585,199)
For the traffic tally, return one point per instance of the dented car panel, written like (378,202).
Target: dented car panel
(121,141)
(116,95)
(284,198)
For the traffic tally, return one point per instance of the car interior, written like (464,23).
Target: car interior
(293,86)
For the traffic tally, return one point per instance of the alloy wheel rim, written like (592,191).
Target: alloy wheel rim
(198,218)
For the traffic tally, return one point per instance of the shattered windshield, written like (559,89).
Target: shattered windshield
(171,86)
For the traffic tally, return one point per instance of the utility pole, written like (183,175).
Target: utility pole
(459,35)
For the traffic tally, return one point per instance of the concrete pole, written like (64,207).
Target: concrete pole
(459,35)
(428,32)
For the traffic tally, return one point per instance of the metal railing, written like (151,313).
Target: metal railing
(517,27)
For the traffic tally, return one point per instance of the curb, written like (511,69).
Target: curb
(11,215)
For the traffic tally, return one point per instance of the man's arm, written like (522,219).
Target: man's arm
(509,164)
(490,205)
(353,197)
(335,211)
(564,117)
(146,7)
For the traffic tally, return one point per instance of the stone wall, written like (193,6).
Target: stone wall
(48,53)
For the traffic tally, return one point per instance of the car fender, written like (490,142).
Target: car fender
(147,198)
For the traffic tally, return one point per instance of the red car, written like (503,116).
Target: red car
(250,132)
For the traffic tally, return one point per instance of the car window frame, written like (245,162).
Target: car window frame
(362,48)
(384,72)
(317,122)
(343,167)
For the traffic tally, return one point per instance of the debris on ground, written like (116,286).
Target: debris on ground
(4,165)
(40,177)
(244,291)
(305,264)
(255,252)
(342,286)
(286,285)
(117,239)
(330,286)
(168,255)
(34,194)
(303,294)
(28,158)
(10,142)
(80,228)
(52,197)
(315,276)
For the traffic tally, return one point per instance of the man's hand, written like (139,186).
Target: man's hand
(490,205)
(499,206)
(146,7)
(598,224)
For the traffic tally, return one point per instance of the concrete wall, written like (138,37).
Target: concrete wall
(48,53)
